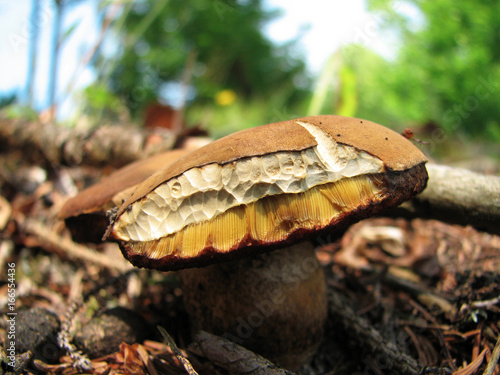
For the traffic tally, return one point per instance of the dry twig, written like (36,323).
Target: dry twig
(395,361)
(494,359)
(66,246)
(64,338)
(175,350)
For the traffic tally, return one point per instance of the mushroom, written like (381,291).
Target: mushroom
(85,213)
(271,187)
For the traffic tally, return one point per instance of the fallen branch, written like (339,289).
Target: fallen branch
(458,196)
(232,357)
(115,145)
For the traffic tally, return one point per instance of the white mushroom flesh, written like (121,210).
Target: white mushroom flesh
(202,194)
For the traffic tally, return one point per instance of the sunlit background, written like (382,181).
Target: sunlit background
(433,66)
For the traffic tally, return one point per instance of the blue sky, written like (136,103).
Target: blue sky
(324,27)
(14,36)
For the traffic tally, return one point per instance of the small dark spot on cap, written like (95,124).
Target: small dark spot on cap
(386,138)
(361,121)
(321,122)
(338,135)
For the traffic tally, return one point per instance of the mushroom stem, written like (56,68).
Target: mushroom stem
(274,304)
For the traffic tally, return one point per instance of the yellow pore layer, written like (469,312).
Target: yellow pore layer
(269,220)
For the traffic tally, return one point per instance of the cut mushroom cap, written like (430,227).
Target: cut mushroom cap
(85,213)
(266,188)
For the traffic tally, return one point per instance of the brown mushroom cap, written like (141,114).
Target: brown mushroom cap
(87,209)
(266,187)
(96,197)
(397,152)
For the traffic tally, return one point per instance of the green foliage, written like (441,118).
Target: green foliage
(69,32)
(323,90)
(7,100)
(17,111)
(243,113)
(226,38)
(336,89)
(447,70)
(348,98)
(100,104)
(385,94)
(11,108)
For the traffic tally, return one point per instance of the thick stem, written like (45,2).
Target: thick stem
(274,304)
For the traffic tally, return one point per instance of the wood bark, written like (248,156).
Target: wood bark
(232,357)
(114,145)
(458,196)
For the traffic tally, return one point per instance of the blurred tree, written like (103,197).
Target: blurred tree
(32,51)
(231,53)
(447,70)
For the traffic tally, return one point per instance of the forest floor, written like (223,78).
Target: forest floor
(406,296)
